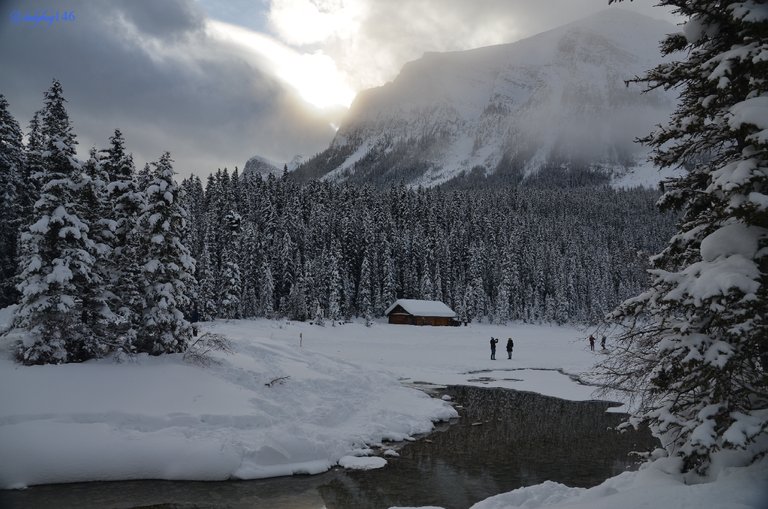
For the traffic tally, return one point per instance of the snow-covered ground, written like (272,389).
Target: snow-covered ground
(295,398)
(650,487)
(450,355)
(163,418)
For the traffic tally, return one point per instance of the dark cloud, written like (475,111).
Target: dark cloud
(149,68)
(163,19)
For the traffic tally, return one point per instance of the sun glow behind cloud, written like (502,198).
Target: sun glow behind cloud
(303,22)
(314,75)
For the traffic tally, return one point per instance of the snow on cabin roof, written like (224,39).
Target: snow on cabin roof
(422,308)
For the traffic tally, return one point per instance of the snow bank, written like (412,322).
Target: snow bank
(161,418)
(652,486)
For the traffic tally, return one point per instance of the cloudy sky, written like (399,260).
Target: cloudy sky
(217,81)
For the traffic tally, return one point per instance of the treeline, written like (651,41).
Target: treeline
(326,251)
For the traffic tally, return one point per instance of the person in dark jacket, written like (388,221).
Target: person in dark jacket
(592,342)
(493,348)
(510,347)
(602,343)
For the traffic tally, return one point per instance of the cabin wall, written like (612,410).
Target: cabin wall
(400,319)
(403,319)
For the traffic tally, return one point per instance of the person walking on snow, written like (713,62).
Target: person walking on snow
(602,343)
(510,346)
(592,342)
(493,348)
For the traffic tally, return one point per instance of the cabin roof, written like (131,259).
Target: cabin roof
(423,308)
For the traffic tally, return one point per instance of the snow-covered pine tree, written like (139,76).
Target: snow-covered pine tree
(168,267)
(389,275)
(130,300)
(319,316)
(501,309)
(206,285)
(266,290)
(93,208)
(230,279)
(125,203)
(249,269)
(426,289)
(194,202)
(125,200)
(57,254)
(364,307)
(230,287)
(696,342)
(296,302)
(144,177)
(31,170)
(11,164)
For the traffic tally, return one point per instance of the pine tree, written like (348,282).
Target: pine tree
(389,290)
(206,287)
(230,287)
(94,209)
(266,291)
(168,267)
(364,292)
(319,316)
(125,200)
(501,311)
(125,203)
(57,255)
(230,280)
(333,286)
(296,302)
(696,342)
(32,170)
(11,167)
(130,299)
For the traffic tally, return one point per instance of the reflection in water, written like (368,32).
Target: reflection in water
(521,439)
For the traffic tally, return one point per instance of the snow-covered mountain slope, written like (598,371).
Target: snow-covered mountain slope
(557,97)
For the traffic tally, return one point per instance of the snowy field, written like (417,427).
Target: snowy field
(542,359)
(296,398)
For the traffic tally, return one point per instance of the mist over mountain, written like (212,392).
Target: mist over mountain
(557,99)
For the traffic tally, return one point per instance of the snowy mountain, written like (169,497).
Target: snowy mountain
(557,97)
(262,166)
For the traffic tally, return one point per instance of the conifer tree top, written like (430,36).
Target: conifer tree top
(56,126)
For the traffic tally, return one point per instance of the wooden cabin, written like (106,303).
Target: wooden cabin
(420,312)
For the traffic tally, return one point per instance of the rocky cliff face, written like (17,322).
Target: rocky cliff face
(555,98)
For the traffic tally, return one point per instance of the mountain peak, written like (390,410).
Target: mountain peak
(556,97)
